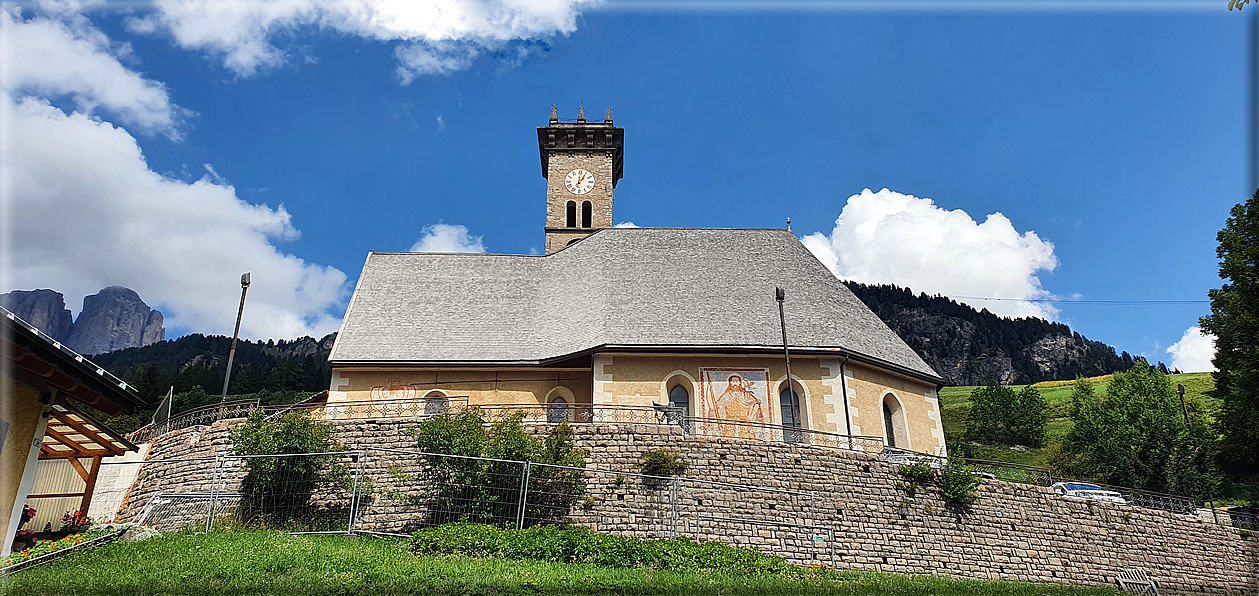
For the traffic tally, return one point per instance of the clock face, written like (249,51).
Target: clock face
(579,182)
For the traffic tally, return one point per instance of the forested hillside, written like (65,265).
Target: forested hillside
(275,372)
(970,347)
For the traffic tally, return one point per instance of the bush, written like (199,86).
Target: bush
(658,462)
(582,545)
(918,472)
(1000,415)
(1135,435)
(958,483)
(486,491)
(277,490)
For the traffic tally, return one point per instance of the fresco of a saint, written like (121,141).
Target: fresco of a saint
(738,395)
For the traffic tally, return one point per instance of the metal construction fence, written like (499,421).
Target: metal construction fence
(396,492)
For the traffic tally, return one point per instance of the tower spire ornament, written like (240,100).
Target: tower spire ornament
(555,115)
(608,119)
(581,113)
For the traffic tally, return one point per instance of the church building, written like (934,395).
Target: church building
(635,318)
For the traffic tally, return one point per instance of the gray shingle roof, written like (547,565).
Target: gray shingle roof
(626,287)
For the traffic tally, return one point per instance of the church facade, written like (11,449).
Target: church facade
(635,318)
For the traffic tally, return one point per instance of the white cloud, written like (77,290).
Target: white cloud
(439,35)
(444,237)
(84,211)
(1194,351)
(69,58)
(625,224)
(889,237)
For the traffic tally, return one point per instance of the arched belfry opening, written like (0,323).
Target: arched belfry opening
(570,215)
(586,211)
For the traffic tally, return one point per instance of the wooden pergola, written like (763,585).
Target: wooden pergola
(74,436)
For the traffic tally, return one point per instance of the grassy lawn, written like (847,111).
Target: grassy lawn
(264,562)
(955,406)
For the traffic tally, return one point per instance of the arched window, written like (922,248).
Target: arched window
(679,397)
(586,210)
(436,402)
(894,430)
(570,215)
(558,410)
(789,401)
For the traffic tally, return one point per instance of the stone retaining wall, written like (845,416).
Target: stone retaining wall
(1014,532)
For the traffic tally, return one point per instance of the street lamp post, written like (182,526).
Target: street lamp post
(1184,409)
(231,355)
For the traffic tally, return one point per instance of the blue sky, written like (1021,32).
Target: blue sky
(1111,139)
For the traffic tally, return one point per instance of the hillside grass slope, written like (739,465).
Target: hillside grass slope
(955,406)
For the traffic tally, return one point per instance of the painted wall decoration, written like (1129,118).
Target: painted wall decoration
(393,391)
(737,395)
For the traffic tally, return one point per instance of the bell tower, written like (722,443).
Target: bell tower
(582,162)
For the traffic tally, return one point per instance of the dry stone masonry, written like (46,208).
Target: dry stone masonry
(813,505)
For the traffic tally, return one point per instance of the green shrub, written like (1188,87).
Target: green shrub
(277,490)
(487,491)
(999,414)
(958,483)
(918,472)
(658,462)
(582,545)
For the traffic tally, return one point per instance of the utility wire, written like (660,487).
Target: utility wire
(1068,301)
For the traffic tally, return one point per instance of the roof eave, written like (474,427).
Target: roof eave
(686,349)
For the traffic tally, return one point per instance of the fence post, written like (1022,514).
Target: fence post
(358,467)
(524,498)
(673,498)
(214,480)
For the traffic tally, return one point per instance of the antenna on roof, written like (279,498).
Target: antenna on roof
(788,224)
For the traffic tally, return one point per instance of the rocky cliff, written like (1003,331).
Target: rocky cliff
(45,309)
(970,347)
(112,319)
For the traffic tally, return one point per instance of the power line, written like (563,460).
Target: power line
(1068,301)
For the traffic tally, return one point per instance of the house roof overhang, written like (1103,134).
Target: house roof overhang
(72,433)
(33,355)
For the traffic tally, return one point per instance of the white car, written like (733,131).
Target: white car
(1088,491)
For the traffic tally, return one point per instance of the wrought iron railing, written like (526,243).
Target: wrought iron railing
(1153,500)
(1023,474)
(714,427)
(587,413)
(419,407)
(1240,520)
(1013,472)
(199,416)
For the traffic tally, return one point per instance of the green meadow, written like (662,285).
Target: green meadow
(955,406)
(269,562)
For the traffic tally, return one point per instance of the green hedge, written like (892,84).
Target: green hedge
(581,545)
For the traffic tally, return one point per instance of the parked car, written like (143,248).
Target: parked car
(1088,491)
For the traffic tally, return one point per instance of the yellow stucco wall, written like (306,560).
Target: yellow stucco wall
(641,380)
(481,387)
(869,386)
(21,409)
(646,379)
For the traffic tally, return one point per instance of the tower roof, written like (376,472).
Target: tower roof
(582,136)
(637,289)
